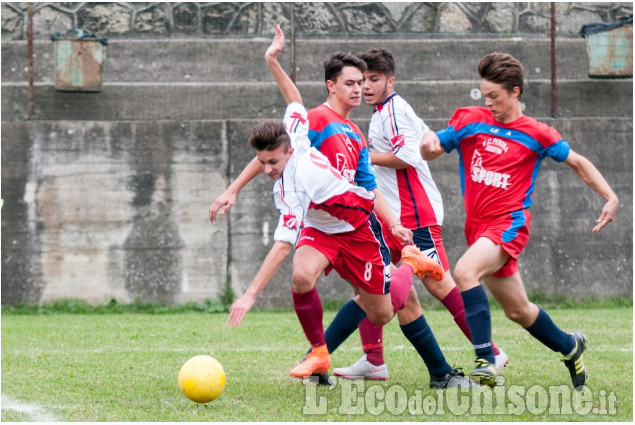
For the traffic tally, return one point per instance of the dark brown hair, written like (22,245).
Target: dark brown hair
(504,69)
(379,60)
(338,60)
(268,136)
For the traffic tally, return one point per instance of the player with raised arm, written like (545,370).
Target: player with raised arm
(340,139)
(394,135)
(338,217)
(500,151)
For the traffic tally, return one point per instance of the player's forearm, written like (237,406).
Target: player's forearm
(388,160)
(289,91)
(591,176)
(383,210)
(269,268)
(250,171)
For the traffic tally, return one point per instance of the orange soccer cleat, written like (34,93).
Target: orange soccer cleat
(422,265)
(317,361)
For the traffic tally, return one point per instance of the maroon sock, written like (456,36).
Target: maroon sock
(400,283)
(372,341)
(308,307)
(454,303)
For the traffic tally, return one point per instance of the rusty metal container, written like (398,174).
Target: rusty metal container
(79,63)
(610,49)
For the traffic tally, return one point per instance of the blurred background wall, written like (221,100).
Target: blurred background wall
(106,193)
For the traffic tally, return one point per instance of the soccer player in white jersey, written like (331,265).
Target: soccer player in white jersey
(338,217)
(404,178)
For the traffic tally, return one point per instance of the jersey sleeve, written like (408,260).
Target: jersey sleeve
(449,136)
(404,133)
(556,148)
(364,175)
(559,151)
(297,125)
(292,205)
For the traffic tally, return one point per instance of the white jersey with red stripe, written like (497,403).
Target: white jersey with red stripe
(311,190)
(411,192)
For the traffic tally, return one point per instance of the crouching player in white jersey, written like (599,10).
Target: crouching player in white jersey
(338,217)
(404,178)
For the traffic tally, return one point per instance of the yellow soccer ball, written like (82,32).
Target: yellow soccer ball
(202,379)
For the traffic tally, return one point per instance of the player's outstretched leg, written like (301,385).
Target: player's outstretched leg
(453,302)
(574,362)
(442,375)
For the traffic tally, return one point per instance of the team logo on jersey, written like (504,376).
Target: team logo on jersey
(290,221)
(343,168)
(495,145)
(297,116)
(398,142)
(487,177)
(349,145)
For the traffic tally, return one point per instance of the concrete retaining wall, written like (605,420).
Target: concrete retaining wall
(106,194)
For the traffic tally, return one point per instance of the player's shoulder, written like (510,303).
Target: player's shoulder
(320,116)
(394,102)
(319,111)
(469,115)
(477,112)
(540,131)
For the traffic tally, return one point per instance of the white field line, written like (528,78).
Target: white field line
(33,412)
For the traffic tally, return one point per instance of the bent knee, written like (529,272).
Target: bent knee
(302,281)
(464,277)
(518,314)
(380,318)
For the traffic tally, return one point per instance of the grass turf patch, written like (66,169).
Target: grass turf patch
(78,306)
(123,367)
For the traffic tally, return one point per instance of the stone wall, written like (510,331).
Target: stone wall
(106,193)
(140,20)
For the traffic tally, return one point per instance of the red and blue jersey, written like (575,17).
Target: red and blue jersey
(342,142)
(499,163)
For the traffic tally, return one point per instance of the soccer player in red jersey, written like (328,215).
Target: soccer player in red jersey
(500,151)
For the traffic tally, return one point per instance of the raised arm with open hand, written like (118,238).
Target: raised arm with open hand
(288,89)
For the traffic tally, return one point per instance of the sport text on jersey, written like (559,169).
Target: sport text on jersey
(487,177)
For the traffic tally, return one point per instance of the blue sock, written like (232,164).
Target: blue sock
(545,331)
(478,319)
(421,337)
(343,325)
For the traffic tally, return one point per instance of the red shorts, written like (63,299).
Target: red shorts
(427,239)
(510,231)
(356,256)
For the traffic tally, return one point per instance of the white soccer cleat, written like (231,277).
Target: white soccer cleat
(363,369)
(501,360)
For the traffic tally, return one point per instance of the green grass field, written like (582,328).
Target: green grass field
(123,367)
